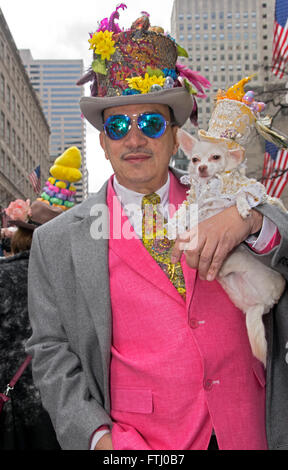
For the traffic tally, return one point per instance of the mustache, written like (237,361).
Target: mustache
(137,151)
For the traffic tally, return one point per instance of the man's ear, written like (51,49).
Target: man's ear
(103,143)
(186,142)
(235,157)
(176,143)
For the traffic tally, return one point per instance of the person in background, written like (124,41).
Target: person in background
(24,424)
(6,234)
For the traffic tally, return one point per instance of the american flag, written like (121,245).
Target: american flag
(275,163)
(280,40)
(34,178)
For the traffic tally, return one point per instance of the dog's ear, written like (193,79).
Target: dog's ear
(186,142)
(235,157)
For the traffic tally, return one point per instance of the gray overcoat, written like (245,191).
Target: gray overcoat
(70,314)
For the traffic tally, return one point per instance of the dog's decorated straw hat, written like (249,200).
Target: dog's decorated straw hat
(138,66)
(236,117)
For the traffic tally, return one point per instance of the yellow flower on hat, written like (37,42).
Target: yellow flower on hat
(103,44)
(144,84)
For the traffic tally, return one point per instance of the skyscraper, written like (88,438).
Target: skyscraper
(226,40)
(55,83)
(24,130)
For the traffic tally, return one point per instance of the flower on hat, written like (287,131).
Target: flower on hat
(102,44)
(19,210)
(144,84)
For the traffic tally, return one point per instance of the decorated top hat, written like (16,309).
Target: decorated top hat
(138,66)
(236,117)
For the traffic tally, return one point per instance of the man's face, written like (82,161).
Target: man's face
(139,162)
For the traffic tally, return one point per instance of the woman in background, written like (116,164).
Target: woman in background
(24,424)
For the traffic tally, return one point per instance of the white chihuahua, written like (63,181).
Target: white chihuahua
(218,180)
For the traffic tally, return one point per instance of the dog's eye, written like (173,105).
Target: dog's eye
(195,159)
(216,157)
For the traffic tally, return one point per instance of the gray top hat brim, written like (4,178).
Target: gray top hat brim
(179,99)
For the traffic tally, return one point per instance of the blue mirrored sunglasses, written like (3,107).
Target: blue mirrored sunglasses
(152,125)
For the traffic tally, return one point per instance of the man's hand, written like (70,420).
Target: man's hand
(105,443)
(207,245)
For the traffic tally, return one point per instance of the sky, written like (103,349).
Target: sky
(59,29)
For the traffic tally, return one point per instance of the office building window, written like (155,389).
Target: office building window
(2,125)
(2,163)
(8,133)
(2,49)
(8,167)
(2,88)
(8,101)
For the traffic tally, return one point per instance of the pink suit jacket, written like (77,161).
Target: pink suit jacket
(178,369)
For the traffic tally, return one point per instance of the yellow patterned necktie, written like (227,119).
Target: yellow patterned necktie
(156,242)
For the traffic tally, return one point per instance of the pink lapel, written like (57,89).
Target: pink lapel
(131,250)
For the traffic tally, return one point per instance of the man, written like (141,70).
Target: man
(131,352)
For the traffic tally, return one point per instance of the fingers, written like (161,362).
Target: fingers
(187,241)
(205,251)
(211,270)
(199,253)
(206,246)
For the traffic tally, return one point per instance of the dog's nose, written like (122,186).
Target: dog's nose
(202,168)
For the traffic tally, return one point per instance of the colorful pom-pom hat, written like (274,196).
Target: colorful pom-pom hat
(59,190)
(138,66)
